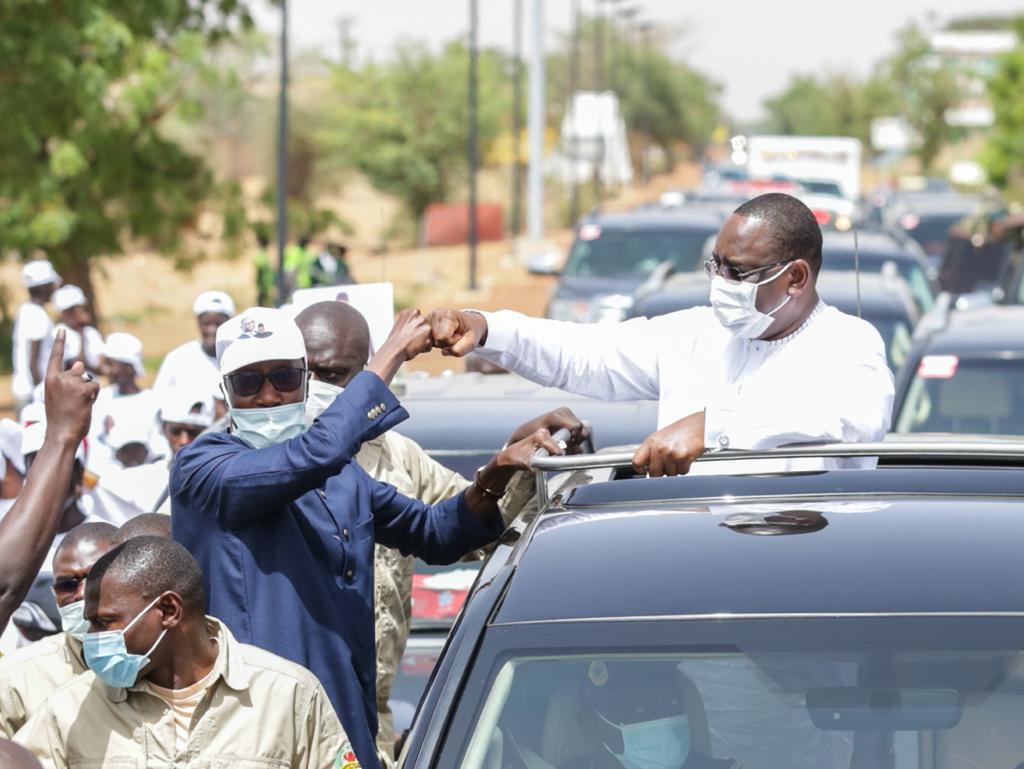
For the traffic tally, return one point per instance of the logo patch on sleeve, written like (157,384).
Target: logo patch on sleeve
(346,758)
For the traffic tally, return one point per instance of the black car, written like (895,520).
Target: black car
(929,217)
(882,300)
(614,253)
(846,619)
(966,377)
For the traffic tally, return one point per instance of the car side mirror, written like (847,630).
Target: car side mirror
(547,263)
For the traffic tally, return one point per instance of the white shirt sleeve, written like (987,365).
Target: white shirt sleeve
(167,375)
(611,361)
(848,399)
(35,324)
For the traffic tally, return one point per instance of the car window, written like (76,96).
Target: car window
(912,273)
(950,394)
(725,708)
(897,337)
(636,254)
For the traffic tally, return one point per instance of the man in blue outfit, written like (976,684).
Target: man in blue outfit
(283,521)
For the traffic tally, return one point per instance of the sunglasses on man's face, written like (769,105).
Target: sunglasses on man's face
(284,380)
(65,587)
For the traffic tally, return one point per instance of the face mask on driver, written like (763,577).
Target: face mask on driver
(661,744)
(321,395)
(735,306)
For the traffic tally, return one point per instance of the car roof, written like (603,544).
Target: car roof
(870,242)
(980,330)
(936,203)
(894,540)
(680,219)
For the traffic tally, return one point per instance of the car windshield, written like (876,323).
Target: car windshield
(912,273)
(932,230)
(635,254)
(860,704)
(957,395)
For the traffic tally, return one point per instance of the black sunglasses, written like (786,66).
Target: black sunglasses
(714,265)
(69,586)
(284,380)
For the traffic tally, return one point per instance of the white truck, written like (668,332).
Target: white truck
(810,158)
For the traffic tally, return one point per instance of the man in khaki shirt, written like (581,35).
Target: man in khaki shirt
(170,686)
(31,674)
(337,341)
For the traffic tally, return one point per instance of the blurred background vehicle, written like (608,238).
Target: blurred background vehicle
(928,218)
(966,377)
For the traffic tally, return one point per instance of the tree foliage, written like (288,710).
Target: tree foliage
(84,166)
(1003,156)
(404,123)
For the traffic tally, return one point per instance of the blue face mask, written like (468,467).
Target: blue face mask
(108,657)
(661,744)
(73,621)
(265,427)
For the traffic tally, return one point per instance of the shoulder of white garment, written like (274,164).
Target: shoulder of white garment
(846,329)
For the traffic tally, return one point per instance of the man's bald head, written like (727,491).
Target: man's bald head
(13,756)
(147,567)
(337,341)
(95,535)
(145,525)
(790,225)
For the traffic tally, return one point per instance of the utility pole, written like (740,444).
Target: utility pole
(346,43)
(598,46)
(471,148)
(535,178)
(574,149)
(517,117)
(282,157)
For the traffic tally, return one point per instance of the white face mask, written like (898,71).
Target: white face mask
(73,621)
(660,744)
(321,395)
(265,427)
(735,306)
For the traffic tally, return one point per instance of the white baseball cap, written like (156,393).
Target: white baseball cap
(214,301)
(38,272)
(188,404)
(32,440)
(258,334)
(66,297)
(128,430)
(126,349)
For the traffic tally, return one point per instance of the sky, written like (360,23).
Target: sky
(751,47)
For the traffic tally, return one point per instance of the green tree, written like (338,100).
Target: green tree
(1003,156)
(86,86)
(404,123)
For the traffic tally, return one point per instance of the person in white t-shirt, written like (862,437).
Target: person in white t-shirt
(12,464)
(197,359)
(33,329)
(83,342)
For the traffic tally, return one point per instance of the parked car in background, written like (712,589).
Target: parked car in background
(928,219)
(966,377)
(841,619)
(614,253)
(883,300)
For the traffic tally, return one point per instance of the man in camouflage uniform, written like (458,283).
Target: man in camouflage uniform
(337,347)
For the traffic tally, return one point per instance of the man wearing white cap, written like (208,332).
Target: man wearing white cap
(33,329)
(283,521)
(197,360)
(83,341)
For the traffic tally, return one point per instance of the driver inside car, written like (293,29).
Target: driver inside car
(644,715)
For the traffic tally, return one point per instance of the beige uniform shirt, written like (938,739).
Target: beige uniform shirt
(262,711)
(33,673)
(401,462)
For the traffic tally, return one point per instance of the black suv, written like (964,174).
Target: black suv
(856,619)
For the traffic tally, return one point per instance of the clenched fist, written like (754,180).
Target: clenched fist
(409,337)
(672,449)
(457,333)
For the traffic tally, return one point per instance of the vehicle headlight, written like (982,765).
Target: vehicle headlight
(612,308)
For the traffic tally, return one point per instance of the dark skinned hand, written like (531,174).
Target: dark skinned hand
(672,449)
(553,421)
(516,456)
(409,337)
(457,333)
(68,397)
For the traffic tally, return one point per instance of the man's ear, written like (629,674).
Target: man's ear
(800,276)
(172,608)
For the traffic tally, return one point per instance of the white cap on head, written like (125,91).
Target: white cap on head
(32,440)
(124,348)
(66,297)
(259,334)
(38,272)
(214,301)
(128,430)
(187,403)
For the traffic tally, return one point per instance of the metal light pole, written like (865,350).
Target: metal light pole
(535,177)
(471,148)
(574,76)
(598,46)
(282,157)
(517,117)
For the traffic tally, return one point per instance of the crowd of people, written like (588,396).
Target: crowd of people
(231,551)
